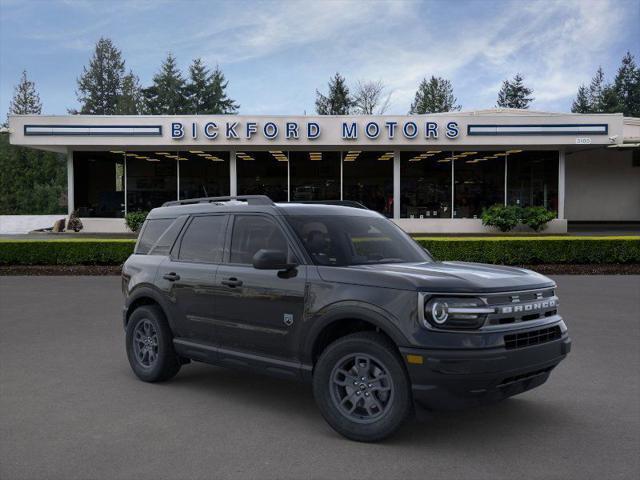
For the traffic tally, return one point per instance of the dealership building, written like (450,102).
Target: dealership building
(429,173)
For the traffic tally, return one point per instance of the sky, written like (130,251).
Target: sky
(275,54)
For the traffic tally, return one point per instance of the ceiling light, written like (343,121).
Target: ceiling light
(162,153)
(434,151)
(514,151)
(152,160)
(141,157)
(196,151)
(116,151)
(444,160)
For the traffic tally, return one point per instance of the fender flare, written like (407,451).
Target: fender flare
(148,291)
(366,312)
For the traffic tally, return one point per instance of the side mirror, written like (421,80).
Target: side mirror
(271,260)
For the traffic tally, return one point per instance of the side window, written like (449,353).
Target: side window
(252,233)
(151,233)
(167,239)
(204,239)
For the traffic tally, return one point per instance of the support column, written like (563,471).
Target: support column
(561,177)
(233,174)
(396,184)
(70,183)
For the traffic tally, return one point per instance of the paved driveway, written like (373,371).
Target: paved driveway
(71,409)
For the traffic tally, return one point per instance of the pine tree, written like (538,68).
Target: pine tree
(627,86)
(99,86)
(338,101)
(167,95)
(596,91)
(130,101)
(434,95)
(206,92)
(514,94)
(25,99)
(218,100)
(581,104)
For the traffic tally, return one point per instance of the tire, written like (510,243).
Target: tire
(369,410)
(150,345)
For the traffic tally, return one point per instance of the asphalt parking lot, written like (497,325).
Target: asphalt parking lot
(70,408)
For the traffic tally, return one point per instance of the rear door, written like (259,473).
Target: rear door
(257,310)
(188,276)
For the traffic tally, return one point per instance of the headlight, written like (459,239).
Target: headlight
(455,313)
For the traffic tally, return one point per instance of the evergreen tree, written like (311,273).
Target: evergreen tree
(433,96)
(167,95)
(25,99)
(218,100)
(130,101)
(581,104)
(514,94)
(627,86)
(206,91)
(99,86)
(596,91)
(338,101)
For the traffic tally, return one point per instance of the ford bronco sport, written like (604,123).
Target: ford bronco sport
(338,296)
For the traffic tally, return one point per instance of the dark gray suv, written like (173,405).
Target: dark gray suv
(338,296)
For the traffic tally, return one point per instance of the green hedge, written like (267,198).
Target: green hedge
(535,250)
(65,252)
(499,250)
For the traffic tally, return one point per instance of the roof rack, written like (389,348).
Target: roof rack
(250,199)
(341,203)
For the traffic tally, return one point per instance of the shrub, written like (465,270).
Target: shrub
(135,220)
(535,250)
(75,223)
(503,217)
(72,251)
(537,217)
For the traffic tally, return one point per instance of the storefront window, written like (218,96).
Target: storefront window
(262,173)
(532,178)
(368,178)
(478,182)
(425,184)
(203,174)
(151,179)
(314,175)
(99,184)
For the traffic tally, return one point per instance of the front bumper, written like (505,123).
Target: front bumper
(450,379)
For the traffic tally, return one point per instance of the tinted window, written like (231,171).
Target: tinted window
(168,238)
(151,233)
(252,233)
(340,240)
(204,239)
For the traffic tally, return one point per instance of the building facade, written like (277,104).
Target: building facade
(429,173)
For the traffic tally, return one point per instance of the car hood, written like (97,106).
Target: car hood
(462,277)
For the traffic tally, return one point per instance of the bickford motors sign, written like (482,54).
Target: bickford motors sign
(294,130)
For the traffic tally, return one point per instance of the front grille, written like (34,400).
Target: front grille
(522,306)
(534,337)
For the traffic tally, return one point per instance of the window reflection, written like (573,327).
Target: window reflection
(99,183)
(478,182)
(368,178)
(151,179)
(315,175)
(532,178)
(425,184)
(203,173)
(262,173)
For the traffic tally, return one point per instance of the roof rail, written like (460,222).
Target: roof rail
(250,199)
(341,203)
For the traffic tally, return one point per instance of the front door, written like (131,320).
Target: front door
(257,310)
(189,276)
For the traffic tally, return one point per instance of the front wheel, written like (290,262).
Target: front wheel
(361,387)
(150,345)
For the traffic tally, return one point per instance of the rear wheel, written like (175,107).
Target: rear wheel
(361,387)
(150,345)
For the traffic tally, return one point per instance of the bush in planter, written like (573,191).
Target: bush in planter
(503,217)
(537,217)
(75,223)
(135,220)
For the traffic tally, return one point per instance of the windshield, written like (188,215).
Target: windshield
(341,240)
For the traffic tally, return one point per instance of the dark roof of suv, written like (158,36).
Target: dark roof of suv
(170,211)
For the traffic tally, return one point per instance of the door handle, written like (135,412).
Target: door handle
(232,282)
(172,277)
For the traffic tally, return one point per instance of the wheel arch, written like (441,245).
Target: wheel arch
(145,295)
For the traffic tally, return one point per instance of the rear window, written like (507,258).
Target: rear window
(151,232)
(204,239)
